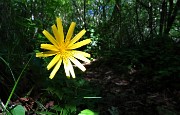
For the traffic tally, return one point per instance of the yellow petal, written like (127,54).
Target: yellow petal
(81,57)
(56,33)
(53,61)
(49,47)
(60,31)
(39,54)
(77,37)
(46,54)
(66,68)
(71,69)
(77,63)
(81,53)
(79,44)
(70,33)
(50,38)
(56,68)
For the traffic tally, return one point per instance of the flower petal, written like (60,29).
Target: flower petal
(39,54)
(81,53)
(66,68)
(60,31)
(50,38)
(56,68)
(53,61)
(71,69)
(49,47)
(56,33)
(46,54)
(79,44)
(77,37)
(77,63)
(70,33)
(81,57)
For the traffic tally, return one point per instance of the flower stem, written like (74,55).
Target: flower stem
(15,85)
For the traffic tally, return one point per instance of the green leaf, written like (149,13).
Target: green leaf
(44,113)
(57,108)
(87,112)
(18,110)
(68,110)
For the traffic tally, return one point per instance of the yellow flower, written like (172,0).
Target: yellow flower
(63,49)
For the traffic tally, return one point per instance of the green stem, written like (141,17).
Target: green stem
(2,106)
(9,68)
(12,92)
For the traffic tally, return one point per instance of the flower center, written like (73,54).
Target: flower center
(64,53)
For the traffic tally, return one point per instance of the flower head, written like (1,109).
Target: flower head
(63,50)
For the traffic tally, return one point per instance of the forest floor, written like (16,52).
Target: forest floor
(126,94)
(132,82)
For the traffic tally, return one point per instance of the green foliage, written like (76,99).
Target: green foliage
(93,48)
(158,64)
(17,110)
(44,112)
(67,102)
(71,92)
(87,112)
(56,109)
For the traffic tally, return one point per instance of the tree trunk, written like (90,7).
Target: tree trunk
(150,19)
(172,18)
(137,21)
(162,20)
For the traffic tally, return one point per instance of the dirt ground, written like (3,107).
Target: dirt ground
(126,94)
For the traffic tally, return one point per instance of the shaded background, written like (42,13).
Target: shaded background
(135,45)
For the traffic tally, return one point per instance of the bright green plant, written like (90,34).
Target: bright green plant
(87,112)
(17,110)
